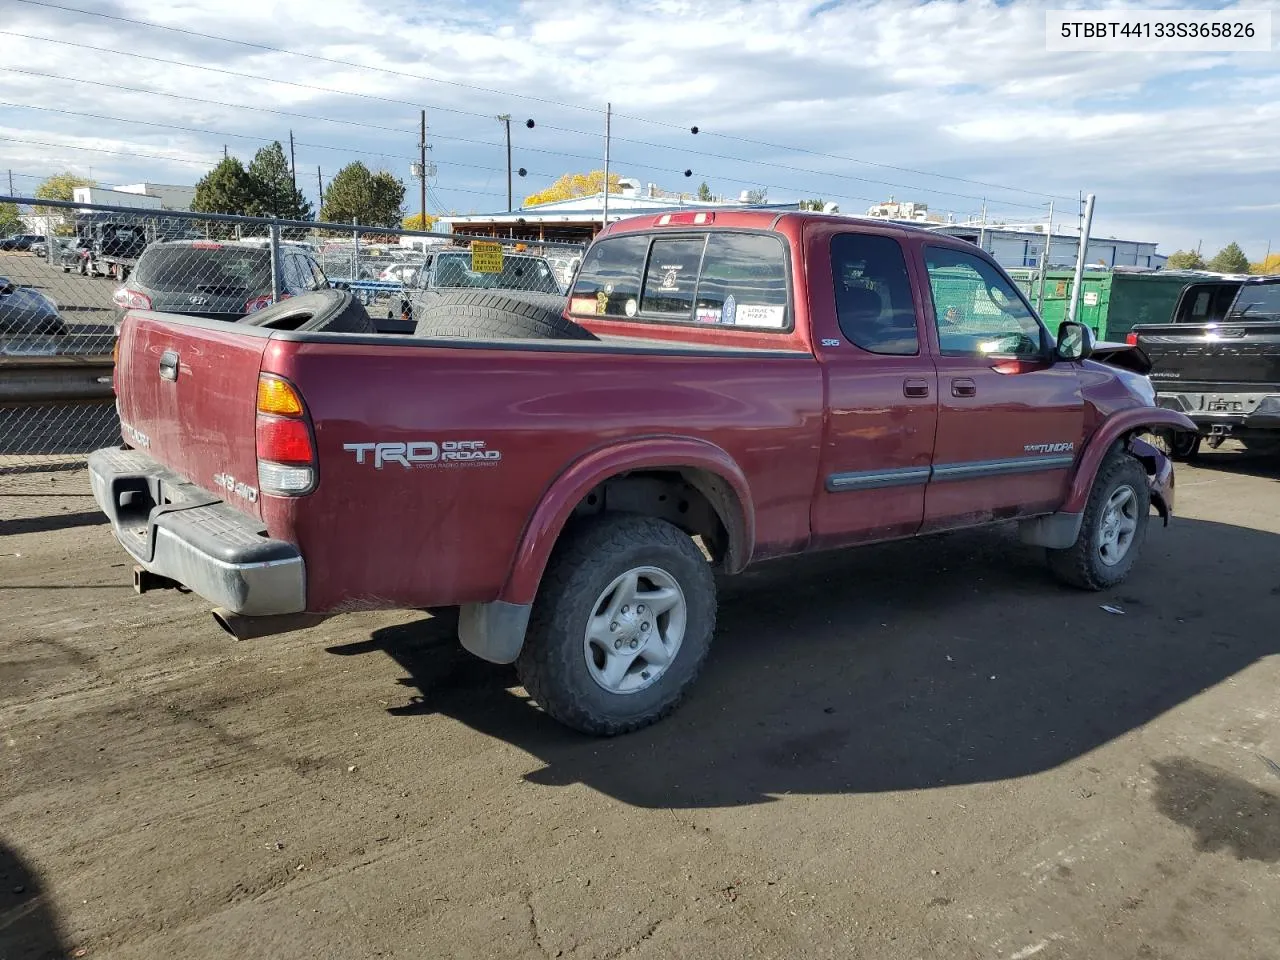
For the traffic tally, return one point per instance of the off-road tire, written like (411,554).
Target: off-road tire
(1080,565)
(508,315)
(331,311)
(552,665)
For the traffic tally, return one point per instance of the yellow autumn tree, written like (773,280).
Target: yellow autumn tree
(574,185)
(416,222)
(1268,267)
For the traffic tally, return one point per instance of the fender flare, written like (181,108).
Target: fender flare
(1112,429)
(727,485)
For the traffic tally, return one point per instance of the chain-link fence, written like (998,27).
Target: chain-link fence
(63,296)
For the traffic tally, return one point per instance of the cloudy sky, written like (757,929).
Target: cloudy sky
(950,103)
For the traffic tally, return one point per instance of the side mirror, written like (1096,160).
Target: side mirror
(1075,341)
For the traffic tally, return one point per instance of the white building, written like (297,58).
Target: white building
(144,196)
(1023,247)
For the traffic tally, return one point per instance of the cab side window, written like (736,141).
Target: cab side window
(873,294)
(977,311)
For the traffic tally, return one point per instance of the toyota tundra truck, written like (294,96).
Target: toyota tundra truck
(718,388)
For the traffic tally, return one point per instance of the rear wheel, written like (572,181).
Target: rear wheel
(621,626)
(1112,529)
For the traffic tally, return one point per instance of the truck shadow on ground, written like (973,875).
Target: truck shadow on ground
(28,928)
(898,667)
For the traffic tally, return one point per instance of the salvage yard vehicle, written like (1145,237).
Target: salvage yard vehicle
(1218,362)
(218,280)
(27,311)
(450,271)
(741,386)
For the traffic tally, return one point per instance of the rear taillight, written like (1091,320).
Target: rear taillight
(131,299)
(286,447)
(1131,339)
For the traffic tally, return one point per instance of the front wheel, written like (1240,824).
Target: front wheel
(1112,529)
(621,625)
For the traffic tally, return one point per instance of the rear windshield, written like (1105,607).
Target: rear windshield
(207,269)
(724,278)
(518,273)
(1257,300)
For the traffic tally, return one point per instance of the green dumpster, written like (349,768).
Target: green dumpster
(1110,303)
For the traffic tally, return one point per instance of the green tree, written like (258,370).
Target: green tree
(273,192)
(814,205)
(1185,260)
(371,199)
(704,192)
(226,188)
(10,222)
(61,186)
(1230,259)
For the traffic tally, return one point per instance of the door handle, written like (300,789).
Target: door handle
(915,388)
(963,387)
(169,365)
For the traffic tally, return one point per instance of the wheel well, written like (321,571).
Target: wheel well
(699,502)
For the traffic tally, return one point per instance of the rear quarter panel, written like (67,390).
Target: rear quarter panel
(438,534)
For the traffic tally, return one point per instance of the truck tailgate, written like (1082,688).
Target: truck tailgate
(1218,354)
(187,392)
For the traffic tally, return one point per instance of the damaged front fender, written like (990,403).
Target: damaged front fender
(1159,475)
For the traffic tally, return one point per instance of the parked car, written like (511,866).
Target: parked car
(449,271)
(1218,362)
(24,310)
(402,273)
(718,392)
(73,254)
(220,280)
(20,241)
(566,268)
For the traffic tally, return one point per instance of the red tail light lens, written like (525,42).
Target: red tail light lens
(284,441)
(286,451)
(131,299)
(1131,339)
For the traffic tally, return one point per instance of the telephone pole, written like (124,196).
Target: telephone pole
(11,193)
(608,119)
(319,192)
(422,170)
(293,164)
(505,120)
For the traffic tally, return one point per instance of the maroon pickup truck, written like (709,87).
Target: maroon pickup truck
(721,388)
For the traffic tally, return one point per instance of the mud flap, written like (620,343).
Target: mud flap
(493,631)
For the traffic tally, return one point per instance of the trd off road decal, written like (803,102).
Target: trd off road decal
(423,453)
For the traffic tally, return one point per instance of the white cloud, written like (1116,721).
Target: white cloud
(1177,148)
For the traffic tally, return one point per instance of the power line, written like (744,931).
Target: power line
(753,181)
(529,97)
(211,103)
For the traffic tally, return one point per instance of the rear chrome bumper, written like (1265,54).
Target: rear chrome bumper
(1225,412)
(174,529)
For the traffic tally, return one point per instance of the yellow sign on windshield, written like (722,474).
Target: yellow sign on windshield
(486,257)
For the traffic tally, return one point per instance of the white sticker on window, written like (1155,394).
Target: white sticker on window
(707,315)
(760,315)
(630,307)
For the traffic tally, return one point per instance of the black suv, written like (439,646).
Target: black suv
(20,241)
(221,280)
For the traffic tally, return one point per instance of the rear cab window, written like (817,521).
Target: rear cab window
(723,278)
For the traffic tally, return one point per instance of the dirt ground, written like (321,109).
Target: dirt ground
(912,751)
